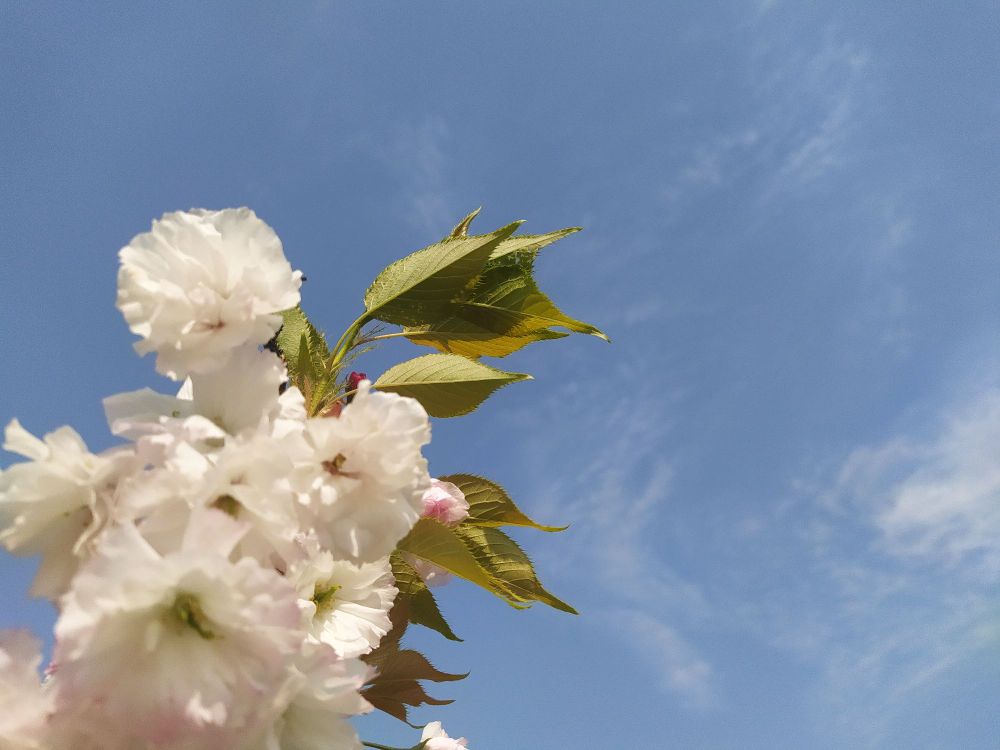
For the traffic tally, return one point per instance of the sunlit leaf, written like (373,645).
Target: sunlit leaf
(507,563)
(447,385)
(436,543)
(462,228)
(295,325)
(418,288)
(305,352)
(490,505)
(530,243)
(456,335)
(505,301)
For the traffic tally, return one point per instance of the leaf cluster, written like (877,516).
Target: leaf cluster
(468,296)
(476,550)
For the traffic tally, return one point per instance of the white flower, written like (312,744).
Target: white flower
(56,503)
(249,481)
(160,501)
(180,650)
(346,605)
(25,704)
(445,502)
(203,283)
(322,692)
(237,399)
(438,739)
(362,476)
(241,395)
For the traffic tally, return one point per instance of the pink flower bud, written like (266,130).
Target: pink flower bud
(445,502)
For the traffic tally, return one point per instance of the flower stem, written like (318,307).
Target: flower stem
(346,340)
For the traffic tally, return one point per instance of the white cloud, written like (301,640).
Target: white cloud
(808,94)
(817,149)
(681,670)
(939,498)
(902,559)
(619,489)
(418,154)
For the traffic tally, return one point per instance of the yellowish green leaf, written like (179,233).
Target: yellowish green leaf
(490,505)
(462,228)
(416,289)
(294,326)
(503,300)
(507,564)
(530,243)
(447,385)
(454,335)
(436,543)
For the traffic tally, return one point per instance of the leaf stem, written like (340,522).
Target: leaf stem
(346,340)
(382,336)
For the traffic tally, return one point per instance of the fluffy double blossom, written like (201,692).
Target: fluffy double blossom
(220,573)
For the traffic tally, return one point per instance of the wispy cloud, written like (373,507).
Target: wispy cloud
(417,153)
(937,499)
(816,95)
(681,669)
(806,101)
(903,553)
(620,491)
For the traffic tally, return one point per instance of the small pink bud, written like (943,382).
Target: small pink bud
(445,502)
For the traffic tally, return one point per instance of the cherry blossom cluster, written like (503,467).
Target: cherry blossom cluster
(220,573)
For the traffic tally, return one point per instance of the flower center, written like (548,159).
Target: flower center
(228,505)
(325,597)
(186,611)
(335,466)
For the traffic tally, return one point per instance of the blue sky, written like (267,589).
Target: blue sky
(782,477)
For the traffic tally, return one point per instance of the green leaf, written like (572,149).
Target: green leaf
(295,325)
(506,299)
(456,335)
(438,544)
(503,300)
(447,385)
(416,289)
(507,564)
(418,602)
(462,228)
(305,352)
(530,243)
(305,367)
(490,505)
